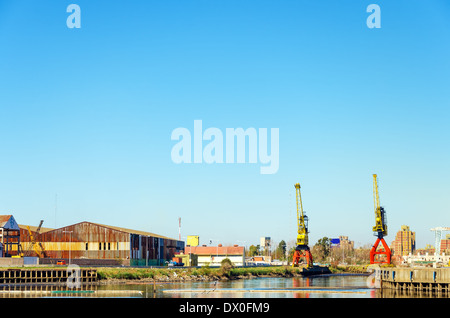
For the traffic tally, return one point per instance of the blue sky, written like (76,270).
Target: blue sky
(86,115)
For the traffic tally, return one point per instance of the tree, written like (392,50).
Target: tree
(280,252)
(253,250)
(321,250)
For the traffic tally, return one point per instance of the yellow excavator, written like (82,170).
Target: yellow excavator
(302,249)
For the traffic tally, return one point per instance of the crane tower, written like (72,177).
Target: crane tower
(380,229)
(302,249)
(34,244)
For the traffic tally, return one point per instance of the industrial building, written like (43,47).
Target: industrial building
(196,255)
(88,243)
(193,240)
(10,236)
(264,244)
(214,255)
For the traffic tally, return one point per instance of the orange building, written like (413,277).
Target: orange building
(404,243)
(445,245)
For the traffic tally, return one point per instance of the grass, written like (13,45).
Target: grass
(348,269)
(206,272)
(127,273)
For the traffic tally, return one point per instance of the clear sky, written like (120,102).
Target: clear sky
(86,115)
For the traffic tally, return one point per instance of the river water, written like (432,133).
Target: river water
(324,286)
(295,287)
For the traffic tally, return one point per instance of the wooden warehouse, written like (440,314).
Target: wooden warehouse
(93,241)
(9,236)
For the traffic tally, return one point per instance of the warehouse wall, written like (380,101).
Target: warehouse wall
(153,248)
(82,240)
(87,240)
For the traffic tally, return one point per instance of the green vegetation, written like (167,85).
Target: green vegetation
(226,271)
(225,267)
(348,269)
(280,251)
(127,273)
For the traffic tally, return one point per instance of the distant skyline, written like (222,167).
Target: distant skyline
(86,114)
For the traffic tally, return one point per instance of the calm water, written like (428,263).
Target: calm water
(325,286)
(328,286)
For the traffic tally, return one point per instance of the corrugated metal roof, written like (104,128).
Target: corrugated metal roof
(34,228)
(116,228)
(121,229)
(134,231)
(4,218)
(8,222)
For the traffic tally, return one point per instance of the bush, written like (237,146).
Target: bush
(226,266)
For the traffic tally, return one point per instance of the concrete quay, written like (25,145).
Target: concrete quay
(414,279)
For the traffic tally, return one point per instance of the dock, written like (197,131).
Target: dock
(44,276)
(415,279)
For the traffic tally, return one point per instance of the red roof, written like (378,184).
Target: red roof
(214,250)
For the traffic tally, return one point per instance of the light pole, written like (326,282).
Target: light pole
(188,259)
(244,263)
(217,250)
(70,243)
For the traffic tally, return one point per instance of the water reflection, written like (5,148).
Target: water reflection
(326,286)
(45,291)
(297,287)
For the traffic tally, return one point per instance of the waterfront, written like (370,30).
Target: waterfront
(333,286)
(324,286)
(321,286)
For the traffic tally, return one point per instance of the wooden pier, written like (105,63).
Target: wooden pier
(45,276)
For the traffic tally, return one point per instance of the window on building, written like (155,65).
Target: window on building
(104,246)
(87,246)
(109,246)
(100,246)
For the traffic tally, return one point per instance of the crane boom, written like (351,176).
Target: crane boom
(34,244)
(380,229)
(376,197)
(302,234)
(39,227)
(302,249)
